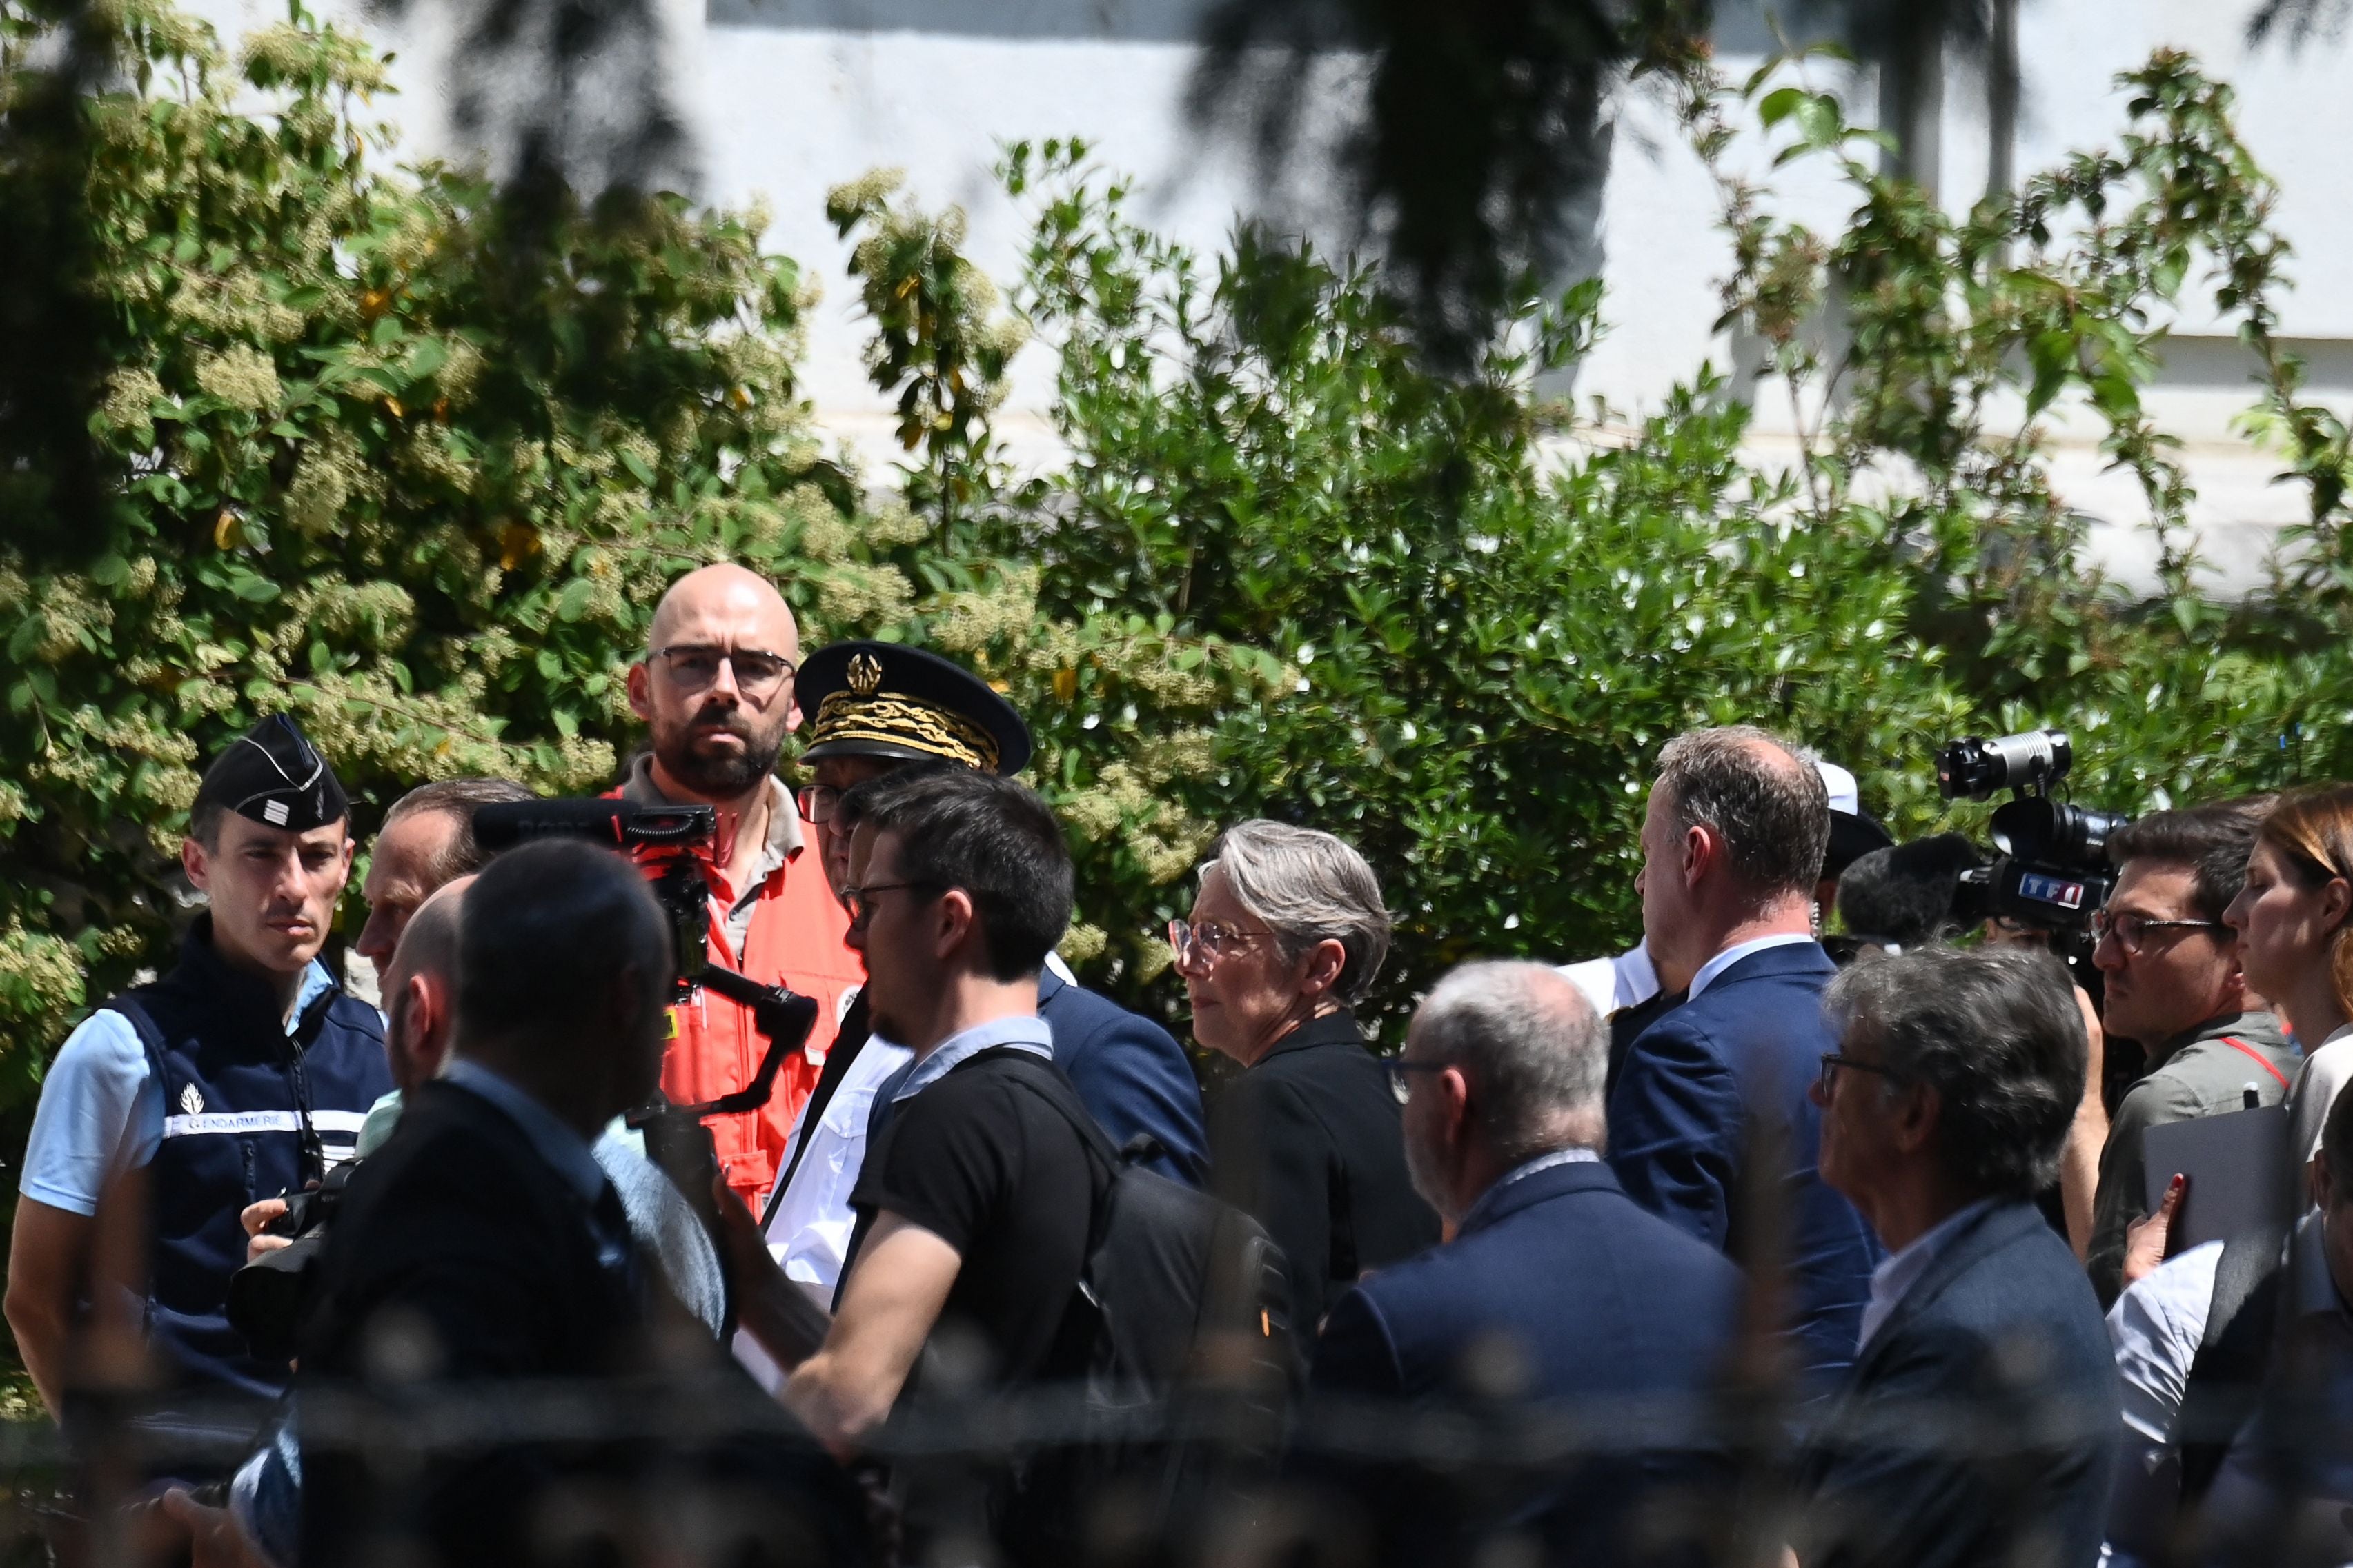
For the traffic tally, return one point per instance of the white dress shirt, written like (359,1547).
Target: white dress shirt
(1627,980)
(1898,1273)
(1739,951)
(2156,1327)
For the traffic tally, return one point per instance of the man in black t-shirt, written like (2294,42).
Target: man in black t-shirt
(975,1204)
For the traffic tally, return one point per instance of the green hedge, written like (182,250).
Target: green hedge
(414,459)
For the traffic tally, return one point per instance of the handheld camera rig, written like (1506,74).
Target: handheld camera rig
(269,1297)
(663,841)
(2051,873)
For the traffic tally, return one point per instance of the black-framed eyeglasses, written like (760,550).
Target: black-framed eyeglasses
(860,901)
(694,666)
(1401,1074)
(2131,931)
(1832,1062)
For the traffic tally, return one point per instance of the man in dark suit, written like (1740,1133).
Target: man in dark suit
(1131,1074)
(879,706)
(483,1246)
(1979,1425)
(1558,1296)
(1710,1127)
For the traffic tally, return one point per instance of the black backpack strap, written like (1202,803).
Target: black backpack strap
(2225,1379)
(838,1062)
(1038,1074)
(1078,1341)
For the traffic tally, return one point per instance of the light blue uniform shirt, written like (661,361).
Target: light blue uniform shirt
(102,1111)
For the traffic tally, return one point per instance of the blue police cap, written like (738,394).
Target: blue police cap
(273,776)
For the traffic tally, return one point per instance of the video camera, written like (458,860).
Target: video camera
(662,839)
(2052,871)
(266,1296)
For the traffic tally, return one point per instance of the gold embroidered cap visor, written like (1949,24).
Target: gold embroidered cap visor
(883,700)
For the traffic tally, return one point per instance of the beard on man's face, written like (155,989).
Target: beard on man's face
(728,770)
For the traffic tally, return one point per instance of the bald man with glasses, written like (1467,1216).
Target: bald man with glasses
(715,691)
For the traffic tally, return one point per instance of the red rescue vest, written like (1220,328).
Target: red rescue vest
(796,940)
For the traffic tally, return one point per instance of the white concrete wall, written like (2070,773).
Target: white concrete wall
(785,97)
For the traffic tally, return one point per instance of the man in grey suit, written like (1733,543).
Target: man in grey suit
(1977,1426)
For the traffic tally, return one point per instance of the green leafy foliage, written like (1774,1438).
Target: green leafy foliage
(414,457)
(1491,629)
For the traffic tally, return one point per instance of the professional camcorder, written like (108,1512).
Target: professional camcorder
(662,839)
(266,1296)
(2052,872)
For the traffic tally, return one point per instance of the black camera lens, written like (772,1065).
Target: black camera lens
(2053,834)
(1977,767)
(2081,834)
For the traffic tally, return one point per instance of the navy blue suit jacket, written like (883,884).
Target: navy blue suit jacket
(1132,1074)
(1598,1309)
(2000,1346)
(1716,1086)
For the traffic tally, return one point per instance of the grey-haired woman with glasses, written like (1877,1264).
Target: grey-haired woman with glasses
(1288,932)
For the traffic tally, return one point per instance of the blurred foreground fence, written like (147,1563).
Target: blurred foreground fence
(695,1470)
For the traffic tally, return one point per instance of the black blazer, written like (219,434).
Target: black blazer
(1308,1142)
(1999,1348)
(490,1269)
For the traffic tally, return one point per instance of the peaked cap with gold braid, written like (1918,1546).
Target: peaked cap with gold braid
(886,700)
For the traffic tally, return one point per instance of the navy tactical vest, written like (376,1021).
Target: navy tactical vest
(249,1112)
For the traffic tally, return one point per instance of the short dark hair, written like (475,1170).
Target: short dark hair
(546,928)
(460,798)
(2213,840)
(1904,894)
(1774,814)
(960,827)
(1995,1031)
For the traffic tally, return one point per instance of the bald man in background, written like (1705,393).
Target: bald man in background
(715,691)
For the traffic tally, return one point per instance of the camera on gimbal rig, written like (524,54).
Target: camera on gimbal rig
(267,1298)
(663,841)
(2052,872)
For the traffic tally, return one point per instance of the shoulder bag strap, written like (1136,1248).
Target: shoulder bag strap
(1032,1074)
(2255,1057)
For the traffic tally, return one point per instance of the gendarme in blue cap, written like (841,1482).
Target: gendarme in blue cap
(885,700)
(273,776)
